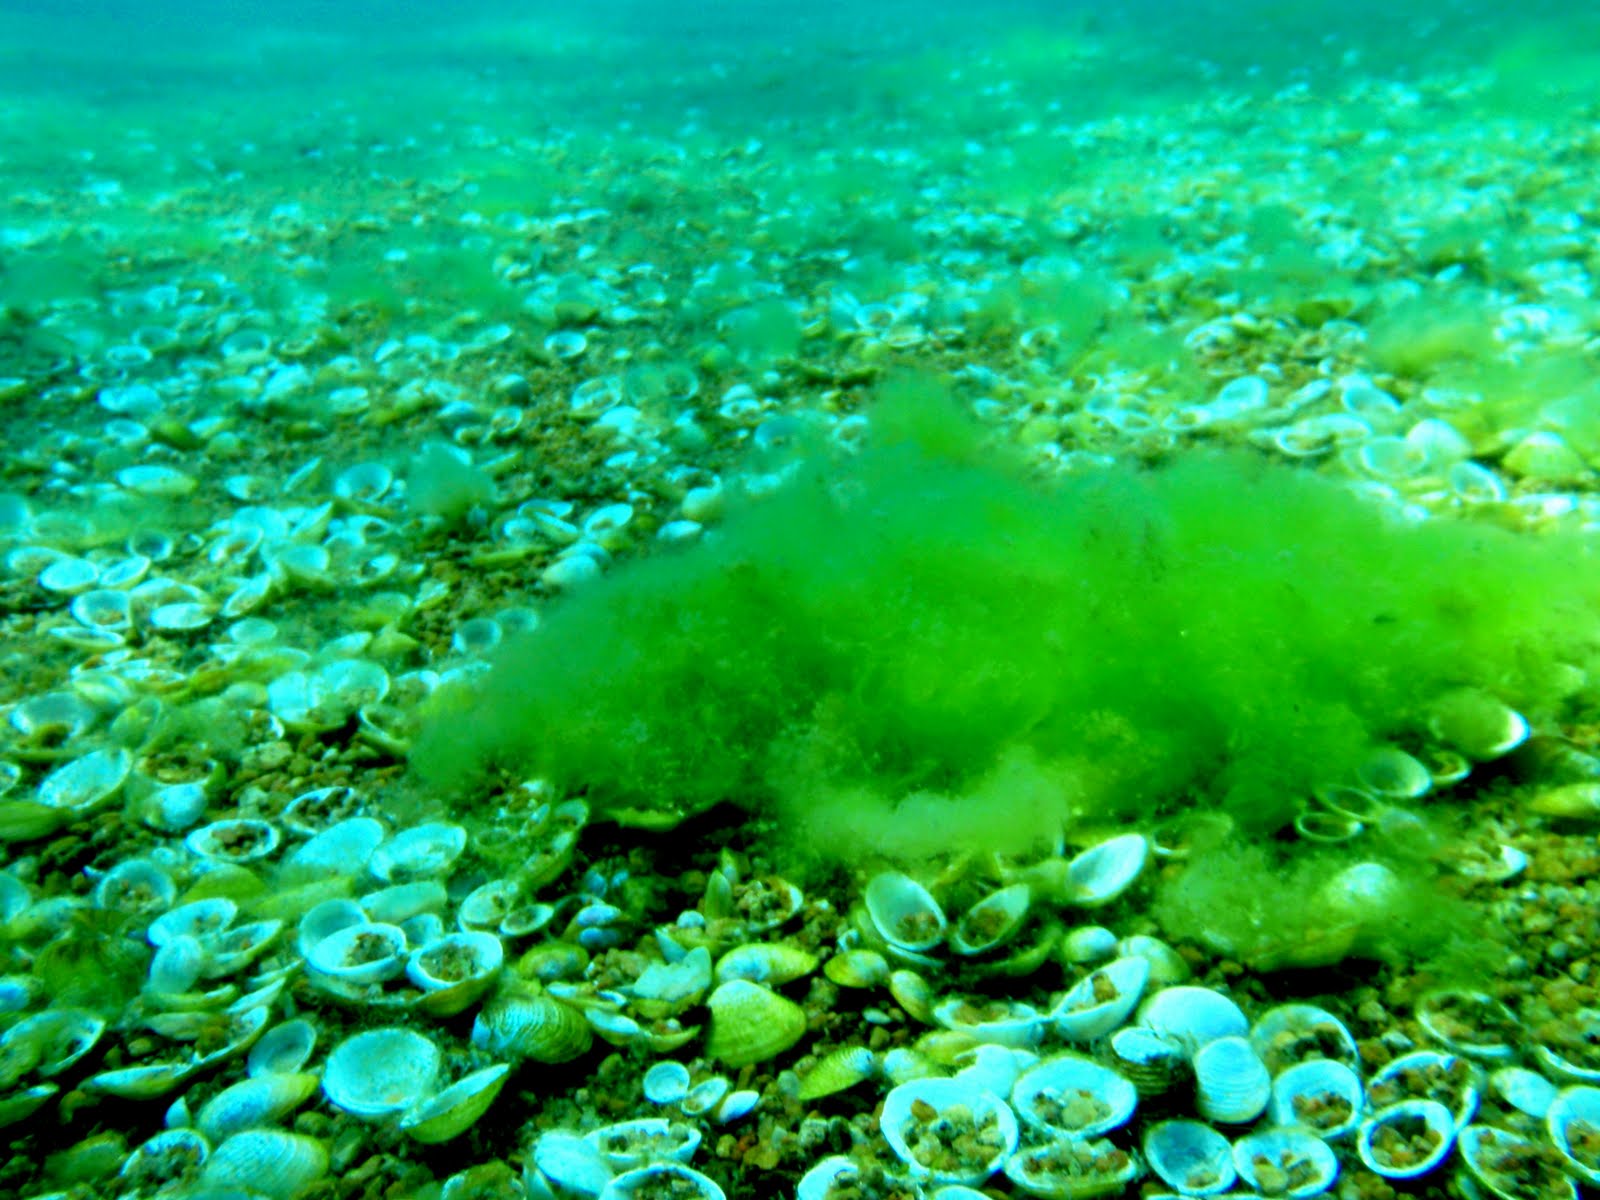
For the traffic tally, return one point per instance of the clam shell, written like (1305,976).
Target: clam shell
(234,840)
(1408,1119)
(1190,1157)
(1150,1059)
(1072,1169)
(381,1073)
(325,919)
(359,955)
(266,1162)
(449,1113)
(836,1175)
(49,1042)
(859,968)
(1512,1167)
(668,988)
(22,1103)
(836,1072)
(1088,944)
(1294,1033)
(453,971)
(751,1023)
(666,1083)
(904,913)
(570,1164)
(1574,1127)
(1320,1094)
(284,1048)
(254,1102)
(1102,873)
(1477,724)
(145,1082)
(197,919)
(1231,1082)
(922,1118)
(1167,966)
(662,1179)
(343,848)
(1524,1090)
(1289,1161)
(421,852)
(1193,1016)
(1070,1096)
(520,1023)
(1101,1000)
(85,784)
(628,1144)
(1000,1022)
(706,1096)
(993,920)
(398,904)
(772,963)
(1453,1081)
(173,1156)
(1392,774)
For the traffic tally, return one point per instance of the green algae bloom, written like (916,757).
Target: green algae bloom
(916,649)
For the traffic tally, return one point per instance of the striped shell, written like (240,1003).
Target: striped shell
(521,1023)
(751,1023)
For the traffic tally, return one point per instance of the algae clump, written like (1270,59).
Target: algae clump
(919,647)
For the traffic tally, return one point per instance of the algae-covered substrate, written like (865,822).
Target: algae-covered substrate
(635,603)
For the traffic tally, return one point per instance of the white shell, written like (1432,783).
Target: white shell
(340,849)
(1000,1022)
(1073,1097)
(1193,1016)
(1285,1162)
(1453,1081)
(359,955)
(1312,1092)
(1294,1033)
(325,919)
(253,1102)
(947,1098)
(420,852)
(197,919)
(283,1049)
(662,1179)
(455,959)
(85,784)
(234,840)
(628,1144)
(1101,1000)
(1190,1157)
(666,1082)
(1429,1114)
(1574,1107)
(1231,1082)
(570,1163)
(1072,1169)
(1102,873)
(176,965)
(992,921)
(904,913)
(381,1072)
(1524,1090)
(1484,1150)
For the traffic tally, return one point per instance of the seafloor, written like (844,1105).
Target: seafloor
(337,354)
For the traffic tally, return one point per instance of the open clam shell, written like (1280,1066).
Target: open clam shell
(1104,872)
(1471,1023)
(1193,1016)
(1073,1097)
(381,1073)
(904,913)
(1190,1157)
(947,1130)
(662,1179)
(449,1113)
(1574,1126)
(1072,1169)
(1406,1140)
(1289,1161)
(993,920)
(1430,1075)
(1294,1033)
(1101,1000)
(1322,1095)
(1001,1022)
(1510,1167)
(628,1144)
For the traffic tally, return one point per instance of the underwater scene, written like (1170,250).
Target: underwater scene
(648,600)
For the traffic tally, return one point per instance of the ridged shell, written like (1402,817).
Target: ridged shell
(1101,1000)
(1167,966)
(1289,1162)
(904,913)
(836,1072)
(1193,1016)
(751,1023)
(267,1162)
(253,1102)
(1231,1082)
(1150,1059)
(859,968)
(449,1113)
(771,963)
(1323,1095)
(173,1156)
(1395,1141)
(916,1121)
(1070,1096)
(520,1023)
(381,1072)
(1190,1157)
